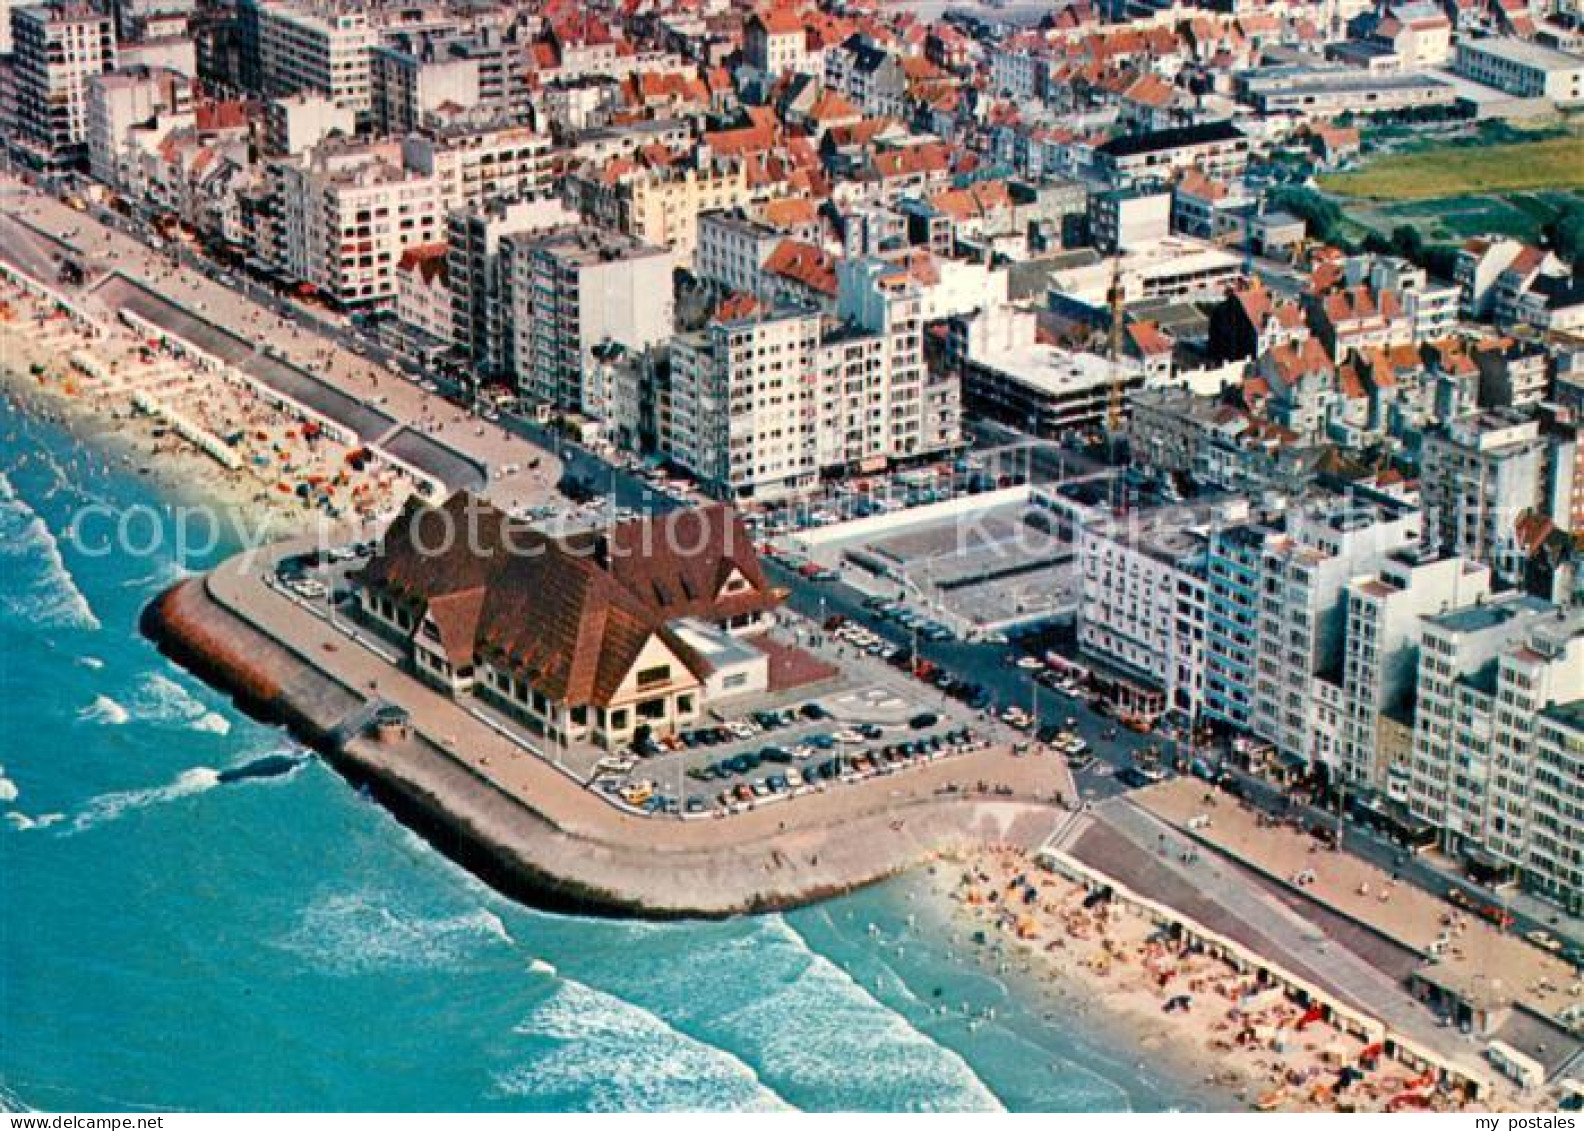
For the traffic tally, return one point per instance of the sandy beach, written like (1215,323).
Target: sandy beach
(200,437)
(1246,1040)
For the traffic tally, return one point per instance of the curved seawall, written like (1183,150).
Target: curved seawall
(561,846)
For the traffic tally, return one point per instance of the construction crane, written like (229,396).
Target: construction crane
(1114,351)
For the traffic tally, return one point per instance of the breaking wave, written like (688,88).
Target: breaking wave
(582,1033)
(105,710)
(42,590)
(360,933)
(110,806)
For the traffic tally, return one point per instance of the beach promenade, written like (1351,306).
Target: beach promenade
(119,272)
(538,832)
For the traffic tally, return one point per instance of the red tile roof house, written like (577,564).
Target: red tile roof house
(580,638)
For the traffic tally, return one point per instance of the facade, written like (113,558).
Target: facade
(571,290)
(123,104)
(406,86)
(762,406)
(480,282)
(1379,673)
(57,48)
(298,48)
(1324,96)
(775,42)
(423,299)
(1142,606)
(1496,745)
(344,214)
(1480,473)
(1008,373)
(1522,68)
(744,406)
(1275,611)
(474,165)
(295,123)
(661,206)
(1217,149)
(1129,219)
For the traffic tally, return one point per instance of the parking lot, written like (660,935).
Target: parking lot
(771,755)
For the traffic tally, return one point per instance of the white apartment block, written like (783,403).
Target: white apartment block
(295,123)
(1479,474)
(56,49)
(479,279)
(743,401)
(1380,657)
(343,216)
(407,88)
(303,48)
(1276,611)
(1496,763)
(1142,603)
(761,406)
(127,111)
(731,250)
(572,290)
(474,166)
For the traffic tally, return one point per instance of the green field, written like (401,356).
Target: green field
(1455,218)
(1464,171)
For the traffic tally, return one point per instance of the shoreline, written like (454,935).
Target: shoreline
(1056,994)
(538,835)
(187,474)
(1281,1058)
(133,440)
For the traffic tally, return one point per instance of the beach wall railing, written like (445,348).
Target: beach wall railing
(1370,1029)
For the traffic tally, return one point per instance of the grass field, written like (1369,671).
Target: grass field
(1461,171)
(1453,219)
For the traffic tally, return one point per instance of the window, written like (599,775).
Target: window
(653,677)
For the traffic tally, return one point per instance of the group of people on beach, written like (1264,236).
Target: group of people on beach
(1271,1051)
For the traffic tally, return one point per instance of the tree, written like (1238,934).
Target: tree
(1565,231)
(1319,212)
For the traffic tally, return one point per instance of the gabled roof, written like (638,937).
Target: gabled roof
(573,613)
(803,263)
(427,261)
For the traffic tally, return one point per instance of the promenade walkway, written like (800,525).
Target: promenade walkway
(778,854)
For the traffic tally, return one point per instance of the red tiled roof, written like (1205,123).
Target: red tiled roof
(569,614)
(804,263)
(428,260)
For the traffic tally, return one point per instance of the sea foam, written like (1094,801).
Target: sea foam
(105,710)
(42,590)
(110,806)
(580,1033)
(366,932)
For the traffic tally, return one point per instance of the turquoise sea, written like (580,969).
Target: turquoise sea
(172,940)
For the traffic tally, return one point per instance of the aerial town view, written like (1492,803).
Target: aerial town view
(792,555)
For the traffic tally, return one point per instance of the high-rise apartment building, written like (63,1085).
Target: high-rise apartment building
(571,290)
(1498,762)
(56,49)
